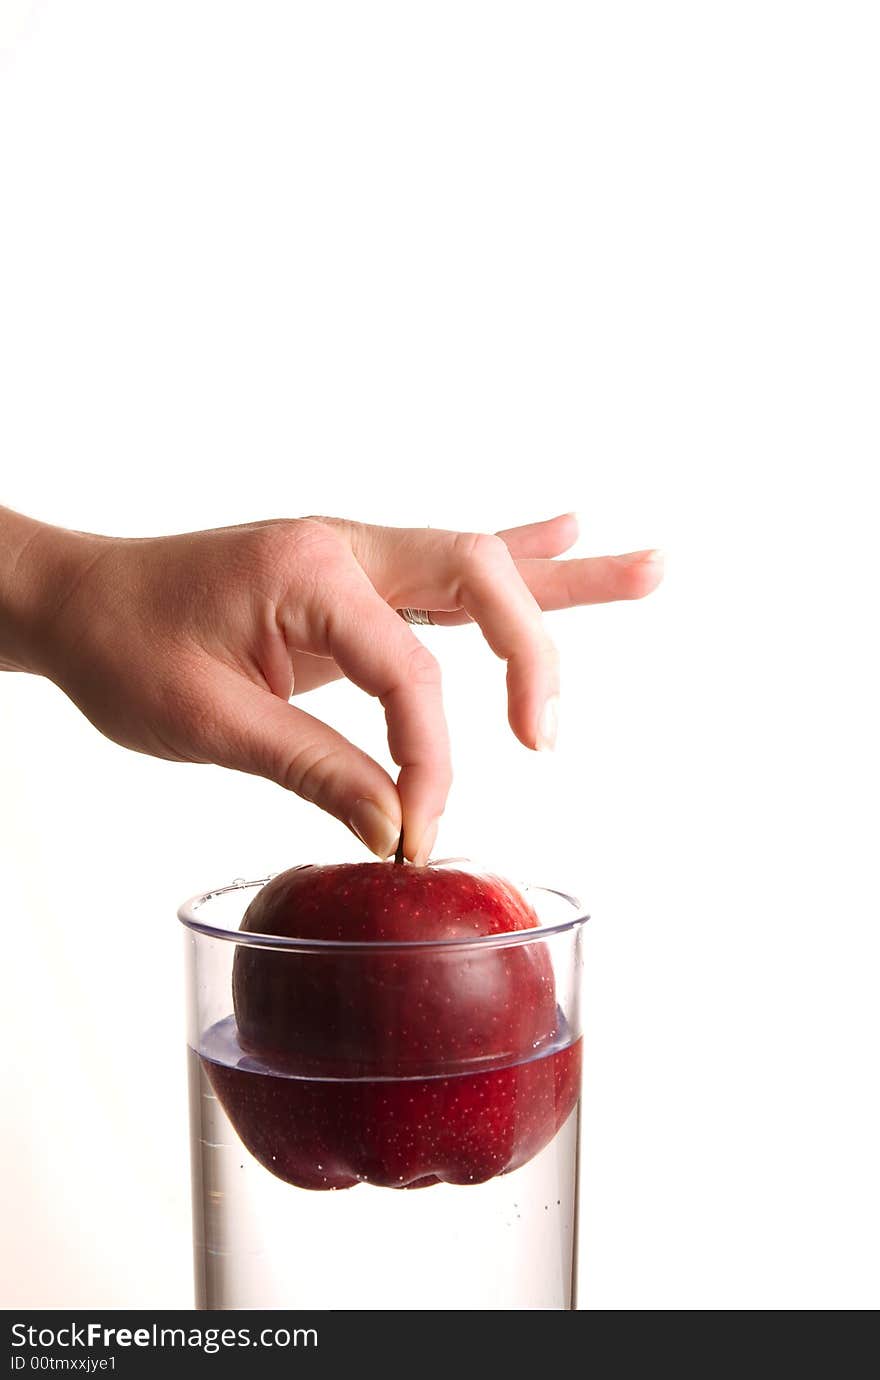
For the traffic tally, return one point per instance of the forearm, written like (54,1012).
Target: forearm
(39,564)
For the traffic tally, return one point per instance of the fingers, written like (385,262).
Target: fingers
(259,733)
(488,586)
(575,583)
(548,538)
(502,582)
(594,580)
(378,652)
(553,584)
(438,570)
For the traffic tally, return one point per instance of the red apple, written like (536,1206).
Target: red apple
(405,1065)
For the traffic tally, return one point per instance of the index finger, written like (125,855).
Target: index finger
(378,652)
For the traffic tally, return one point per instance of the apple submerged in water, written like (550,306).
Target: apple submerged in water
(402,1066)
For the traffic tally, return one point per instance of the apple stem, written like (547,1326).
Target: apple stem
(398,856)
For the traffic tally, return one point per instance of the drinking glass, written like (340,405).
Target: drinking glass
(342,1175)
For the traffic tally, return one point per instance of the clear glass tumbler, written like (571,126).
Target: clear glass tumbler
(345,1179)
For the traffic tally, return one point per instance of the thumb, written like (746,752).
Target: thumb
(269,737)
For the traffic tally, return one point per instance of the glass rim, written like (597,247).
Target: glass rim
(188,917)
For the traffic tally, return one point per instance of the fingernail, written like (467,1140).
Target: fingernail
(637,557)
(548,724)
(373,827)
(427,843)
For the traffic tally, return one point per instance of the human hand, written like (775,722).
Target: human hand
(189,647)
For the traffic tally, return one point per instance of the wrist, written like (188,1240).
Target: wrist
(39,566)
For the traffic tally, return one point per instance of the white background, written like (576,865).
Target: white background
(470,264)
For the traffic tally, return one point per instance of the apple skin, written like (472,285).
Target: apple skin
(404,1067)
(397,1013)
(400,1133)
